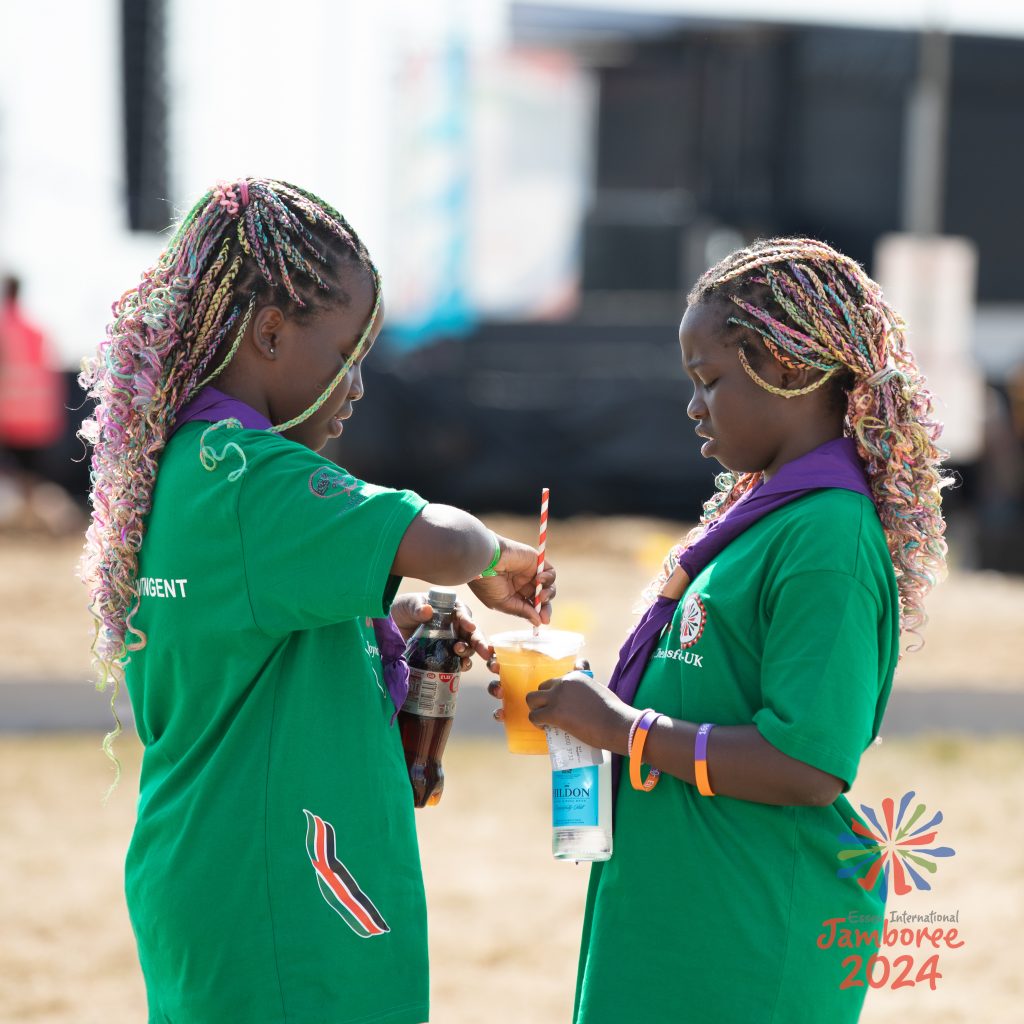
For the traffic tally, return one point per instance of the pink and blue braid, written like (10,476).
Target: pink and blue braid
(192,306)
(812,306)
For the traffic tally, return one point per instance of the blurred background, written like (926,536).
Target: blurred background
(540,184)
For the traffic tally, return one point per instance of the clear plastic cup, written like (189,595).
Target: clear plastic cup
(524,662)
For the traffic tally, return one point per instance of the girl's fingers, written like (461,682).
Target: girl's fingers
(494,689)
(464,617)
(472,642)
(479,644)
(465,653)
(469,633)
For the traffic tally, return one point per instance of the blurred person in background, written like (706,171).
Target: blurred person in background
(245,587)
(762,667)
(32,412)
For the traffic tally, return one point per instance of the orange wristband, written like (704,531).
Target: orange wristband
(700,760)
(638,738)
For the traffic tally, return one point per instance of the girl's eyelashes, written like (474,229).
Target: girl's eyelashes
(349,347)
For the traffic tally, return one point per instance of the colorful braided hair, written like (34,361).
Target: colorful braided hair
(243,245)
(811,306)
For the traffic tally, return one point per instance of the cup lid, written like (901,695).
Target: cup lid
(555,643)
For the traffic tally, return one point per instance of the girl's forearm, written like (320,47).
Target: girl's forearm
(444,545)
(741,763)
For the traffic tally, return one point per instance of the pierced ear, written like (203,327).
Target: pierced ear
(791,380)
(265,327)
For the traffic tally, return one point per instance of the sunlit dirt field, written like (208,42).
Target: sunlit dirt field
(504,916)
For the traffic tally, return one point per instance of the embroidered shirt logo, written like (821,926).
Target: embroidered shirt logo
(339,888)
(327,482)
(691,622)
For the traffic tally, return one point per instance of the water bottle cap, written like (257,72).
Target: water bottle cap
(441,599)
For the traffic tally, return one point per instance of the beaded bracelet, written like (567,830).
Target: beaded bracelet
(700,760)
(632,729)
(635,751)
(491,570)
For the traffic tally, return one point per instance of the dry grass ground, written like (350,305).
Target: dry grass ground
(504,916)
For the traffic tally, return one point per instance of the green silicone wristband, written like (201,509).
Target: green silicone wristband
(491,570)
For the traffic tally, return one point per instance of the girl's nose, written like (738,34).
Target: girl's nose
(358,389)
(696,409)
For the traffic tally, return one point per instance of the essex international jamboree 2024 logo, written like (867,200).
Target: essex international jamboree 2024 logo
(893,850)
(895,854)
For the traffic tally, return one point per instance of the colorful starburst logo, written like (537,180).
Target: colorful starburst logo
(894,850)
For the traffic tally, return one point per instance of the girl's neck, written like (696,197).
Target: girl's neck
(800,444)
(240,386)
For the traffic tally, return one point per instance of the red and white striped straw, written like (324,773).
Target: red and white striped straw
(541,545)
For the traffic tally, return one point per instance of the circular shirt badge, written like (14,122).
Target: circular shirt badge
(691,625)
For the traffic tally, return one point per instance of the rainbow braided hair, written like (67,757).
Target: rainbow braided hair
(811,306)
(244,244)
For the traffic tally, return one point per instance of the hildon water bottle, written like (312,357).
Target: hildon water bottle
(426,716)
(581,798)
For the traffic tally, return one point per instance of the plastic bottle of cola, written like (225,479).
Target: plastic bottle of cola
(581,798)
(426,716)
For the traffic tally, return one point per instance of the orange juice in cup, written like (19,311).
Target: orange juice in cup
(524,662)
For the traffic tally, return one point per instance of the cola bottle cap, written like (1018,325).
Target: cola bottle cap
(442,599)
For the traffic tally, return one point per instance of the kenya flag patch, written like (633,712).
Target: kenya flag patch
(336,883)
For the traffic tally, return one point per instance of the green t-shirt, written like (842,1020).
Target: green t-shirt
(710,908)
(274,873)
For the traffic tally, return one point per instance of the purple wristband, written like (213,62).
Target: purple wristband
(700,746)
(645,721)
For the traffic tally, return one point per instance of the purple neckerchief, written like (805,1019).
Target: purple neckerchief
(391,645)
(834,464)
(212,406)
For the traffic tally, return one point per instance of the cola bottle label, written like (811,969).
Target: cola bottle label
(432,694)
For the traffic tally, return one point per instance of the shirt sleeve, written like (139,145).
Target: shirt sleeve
(317,543)
(820,678)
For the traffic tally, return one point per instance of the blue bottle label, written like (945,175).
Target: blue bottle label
(574,797)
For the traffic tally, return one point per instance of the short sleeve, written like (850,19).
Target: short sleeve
(318,544)
(820,678)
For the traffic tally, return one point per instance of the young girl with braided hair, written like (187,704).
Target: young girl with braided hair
(761,668)
(242,584)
